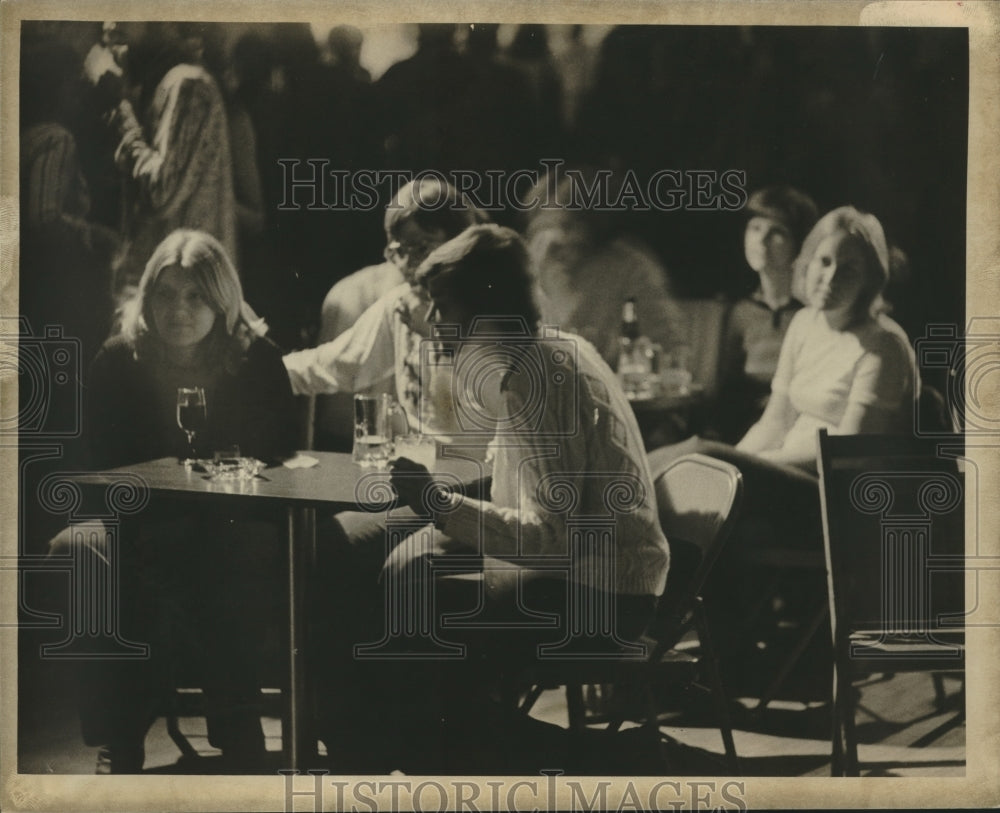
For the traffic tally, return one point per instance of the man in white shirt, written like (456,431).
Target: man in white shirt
(380,352)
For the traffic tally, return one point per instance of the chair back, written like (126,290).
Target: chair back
(894,533)
(698,499)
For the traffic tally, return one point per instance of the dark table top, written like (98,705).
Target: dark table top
(336,482)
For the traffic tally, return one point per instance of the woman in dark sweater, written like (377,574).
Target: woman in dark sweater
(191,576)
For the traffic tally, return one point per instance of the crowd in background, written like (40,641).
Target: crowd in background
(867,117)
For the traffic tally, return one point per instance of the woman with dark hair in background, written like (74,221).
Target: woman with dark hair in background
(778,218)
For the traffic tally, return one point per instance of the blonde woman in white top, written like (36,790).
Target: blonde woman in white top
(841,368)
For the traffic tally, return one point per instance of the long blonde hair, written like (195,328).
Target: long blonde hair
(205,261)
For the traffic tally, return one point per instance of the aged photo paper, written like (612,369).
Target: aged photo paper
(930,187)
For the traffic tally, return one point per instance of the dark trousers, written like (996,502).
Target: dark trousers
(200,589)
(430,684)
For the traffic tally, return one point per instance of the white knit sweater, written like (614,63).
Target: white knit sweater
(570,475)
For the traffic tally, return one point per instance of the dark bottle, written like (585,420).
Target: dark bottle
(634,355)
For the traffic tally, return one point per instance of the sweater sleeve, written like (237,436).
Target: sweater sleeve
(268,417)
(522,522)
(115,435)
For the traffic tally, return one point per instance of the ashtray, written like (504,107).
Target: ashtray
(234,468)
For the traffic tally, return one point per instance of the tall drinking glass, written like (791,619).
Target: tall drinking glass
(377,420)
(192,416)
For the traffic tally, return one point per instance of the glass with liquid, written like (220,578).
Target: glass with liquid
(375,419)
(192,416)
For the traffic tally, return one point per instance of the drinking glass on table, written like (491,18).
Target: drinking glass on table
(377,419)
(192,416)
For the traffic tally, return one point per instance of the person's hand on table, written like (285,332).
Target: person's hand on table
(417,489)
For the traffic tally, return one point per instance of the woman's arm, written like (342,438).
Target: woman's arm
(882,387)
(116,431)
(882,384)
(779,414)
(768,434)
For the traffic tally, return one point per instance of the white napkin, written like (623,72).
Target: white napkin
(301,461)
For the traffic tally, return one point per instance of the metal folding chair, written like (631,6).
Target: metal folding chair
(893,524)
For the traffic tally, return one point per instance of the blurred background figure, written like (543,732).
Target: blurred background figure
(237,80)
(173,141)
(901,297)
(586,267)
(419,103)
(66,257)
(344,42)
(529,53)
(509,127)
(575,62)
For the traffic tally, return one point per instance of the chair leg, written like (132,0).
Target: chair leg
(793,657)
(845,742)
(940,696)
(531,698)
(837,728)
(652,722)
(575,707)
(718,691)
(851,765)
(174,730)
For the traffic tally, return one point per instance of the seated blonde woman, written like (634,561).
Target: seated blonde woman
(840,368)
(196,579)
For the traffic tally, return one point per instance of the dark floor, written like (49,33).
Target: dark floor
(902,731)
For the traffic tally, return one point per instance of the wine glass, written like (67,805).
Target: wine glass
(192,416)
